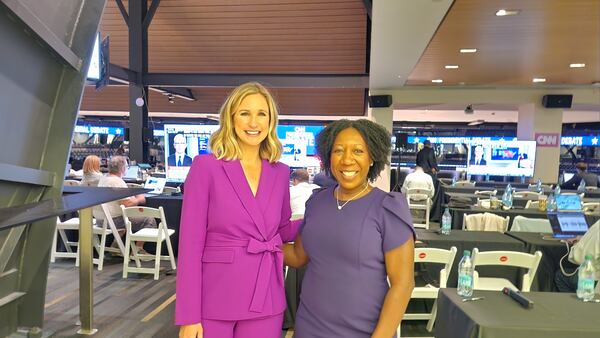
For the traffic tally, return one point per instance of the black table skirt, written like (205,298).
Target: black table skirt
(172,207)
(554,315)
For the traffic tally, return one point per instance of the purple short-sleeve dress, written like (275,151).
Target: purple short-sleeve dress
(346,281)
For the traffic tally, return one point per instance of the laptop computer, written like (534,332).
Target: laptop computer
(132,172)
(569,220)
(157,184)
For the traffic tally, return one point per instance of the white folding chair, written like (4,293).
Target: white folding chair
(485,193)
(71,224)
(464,184)
(431,255)
(525,224)
(162,233)
(485,203)
(134,185)
(545,187)
(70,183)
(419,199)
(530,195)
(481,224)
(532,204)
(504,258)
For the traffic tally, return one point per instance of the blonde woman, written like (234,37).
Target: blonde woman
(91,171)
(235,216)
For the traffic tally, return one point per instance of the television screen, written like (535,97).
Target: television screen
(182,144)
(501,158)
(93,73)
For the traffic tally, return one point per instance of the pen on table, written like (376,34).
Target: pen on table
(472,299)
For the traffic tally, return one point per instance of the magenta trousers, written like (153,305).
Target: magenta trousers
(267,327)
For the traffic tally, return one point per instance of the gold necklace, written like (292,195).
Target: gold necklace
(337,194)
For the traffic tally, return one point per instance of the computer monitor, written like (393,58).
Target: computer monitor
(157,184)
(132,172)
(567,224)
(566,202)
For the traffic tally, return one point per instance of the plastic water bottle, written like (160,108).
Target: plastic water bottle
(585,283)
(551,203)
(557,190)
(508,187)
(465,275)
(538,186)
(446,223)
(561,179)
(581,187)
(508,200)
(505,197)
(453,181)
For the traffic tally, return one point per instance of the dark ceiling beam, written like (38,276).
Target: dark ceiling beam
(150,14)
(121,76)
(123,11)
(368,7)
(272,80)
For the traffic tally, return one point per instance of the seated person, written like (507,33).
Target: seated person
(117,166)
(91,171)
(418,179)
(591,179)
(300,191)
(588,244)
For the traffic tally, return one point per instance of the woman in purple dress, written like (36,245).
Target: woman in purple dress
(354,237)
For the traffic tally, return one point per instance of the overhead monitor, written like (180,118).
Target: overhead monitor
(299,144)
(501,158)
(182,143)
(93,73)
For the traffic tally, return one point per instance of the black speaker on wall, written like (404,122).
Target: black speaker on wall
(380,101)
(557,101)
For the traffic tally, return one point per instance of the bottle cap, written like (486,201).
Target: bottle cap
(589,257)
(467,253)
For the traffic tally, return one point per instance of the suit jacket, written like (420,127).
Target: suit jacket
(230,262)
(481,162)
(426,159)
(187,161)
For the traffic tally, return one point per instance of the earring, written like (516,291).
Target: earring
(371,164)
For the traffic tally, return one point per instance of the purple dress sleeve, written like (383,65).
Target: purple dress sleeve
(396,224)
(192,235)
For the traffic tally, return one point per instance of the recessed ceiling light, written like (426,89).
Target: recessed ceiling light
(451,66)
(399,76)
(538,79)
(577,65)
(507,12)
(475,123)
(437,81)
(468,50)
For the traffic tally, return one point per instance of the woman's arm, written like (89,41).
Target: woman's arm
(399,264)
(294,254)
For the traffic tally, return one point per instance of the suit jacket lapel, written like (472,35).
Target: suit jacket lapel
(238,180)
(267,183)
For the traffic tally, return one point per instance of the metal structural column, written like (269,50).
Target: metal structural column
(138,63)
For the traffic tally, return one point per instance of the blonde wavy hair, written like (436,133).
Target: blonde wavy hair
(91,164)
(224,142)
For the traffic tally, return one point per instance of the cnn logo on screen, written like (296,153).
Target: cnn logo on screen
(547,139)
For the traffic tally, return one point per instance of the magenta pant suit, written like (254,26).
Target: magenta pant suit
(230,265)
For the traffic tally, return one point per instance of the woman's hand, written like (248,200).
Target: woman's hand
(191,331)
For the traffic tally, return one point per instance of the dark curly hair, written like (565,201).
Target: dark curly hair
(376,137)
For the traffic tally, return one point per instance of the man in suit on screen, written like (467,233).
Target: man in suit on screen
(180,158)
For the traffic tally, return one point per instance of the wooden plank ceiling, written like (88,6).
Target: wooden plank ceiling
(541,41)
(246,36)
